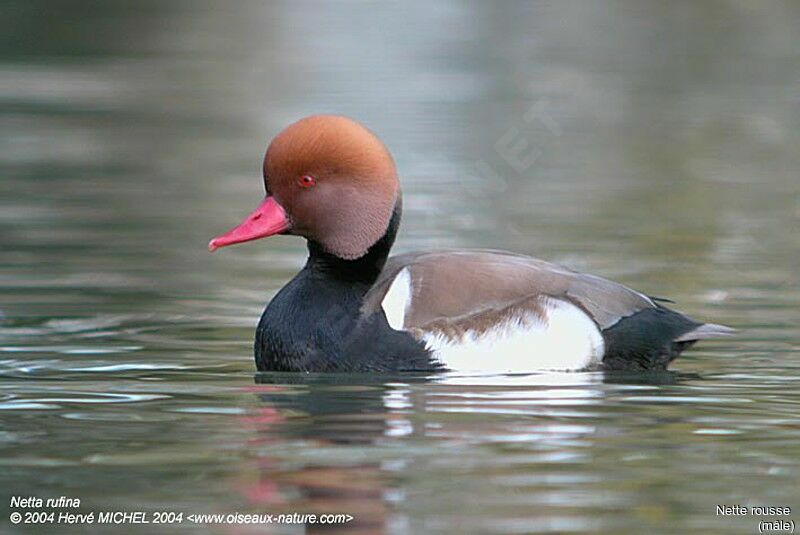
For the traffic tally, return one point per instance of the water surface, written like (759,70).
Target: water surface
(660,148)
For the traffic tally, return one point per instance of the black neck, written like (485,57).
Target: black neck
(364,269)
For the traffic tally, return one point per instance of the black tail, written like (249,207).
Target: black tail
(651,339)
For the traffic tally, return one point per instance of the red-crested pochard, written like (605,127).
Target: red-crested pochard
(351,308)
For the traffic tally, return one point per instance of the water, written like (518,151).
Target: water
(660,149)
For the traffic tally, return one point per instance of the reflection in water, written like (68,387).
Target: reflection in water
(324,414)
(663,152)
(348,422)
(361,445)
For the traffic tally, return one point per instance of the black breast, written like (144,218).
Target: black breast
(315,324)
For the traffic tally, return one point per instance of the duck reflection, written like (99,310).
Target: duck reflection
(310,431)
(332,443)
(362,445)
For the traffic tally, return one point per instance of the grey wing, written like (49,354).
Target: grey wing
(448,285)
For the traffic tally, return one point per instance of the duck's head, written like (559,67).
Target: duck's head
(328,179)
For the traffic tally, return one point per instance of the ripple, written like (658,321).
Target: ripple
(716,432)
(210,410)
(26,405)
(686,399)
(129,366)
(70,350)
(79,398)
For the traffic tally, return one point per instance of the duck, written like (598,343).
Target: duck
(354,308)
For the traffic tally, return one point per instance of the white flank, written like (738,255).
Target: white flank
(568,340)
(396,301)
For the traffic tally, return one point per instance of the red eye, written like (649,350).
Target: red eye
(306,181)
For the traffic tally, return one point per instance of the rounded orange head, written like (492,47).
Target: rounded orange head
(328,179)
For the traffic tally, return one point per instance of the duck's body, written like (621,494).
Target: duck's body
(352,308)
(315,322)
